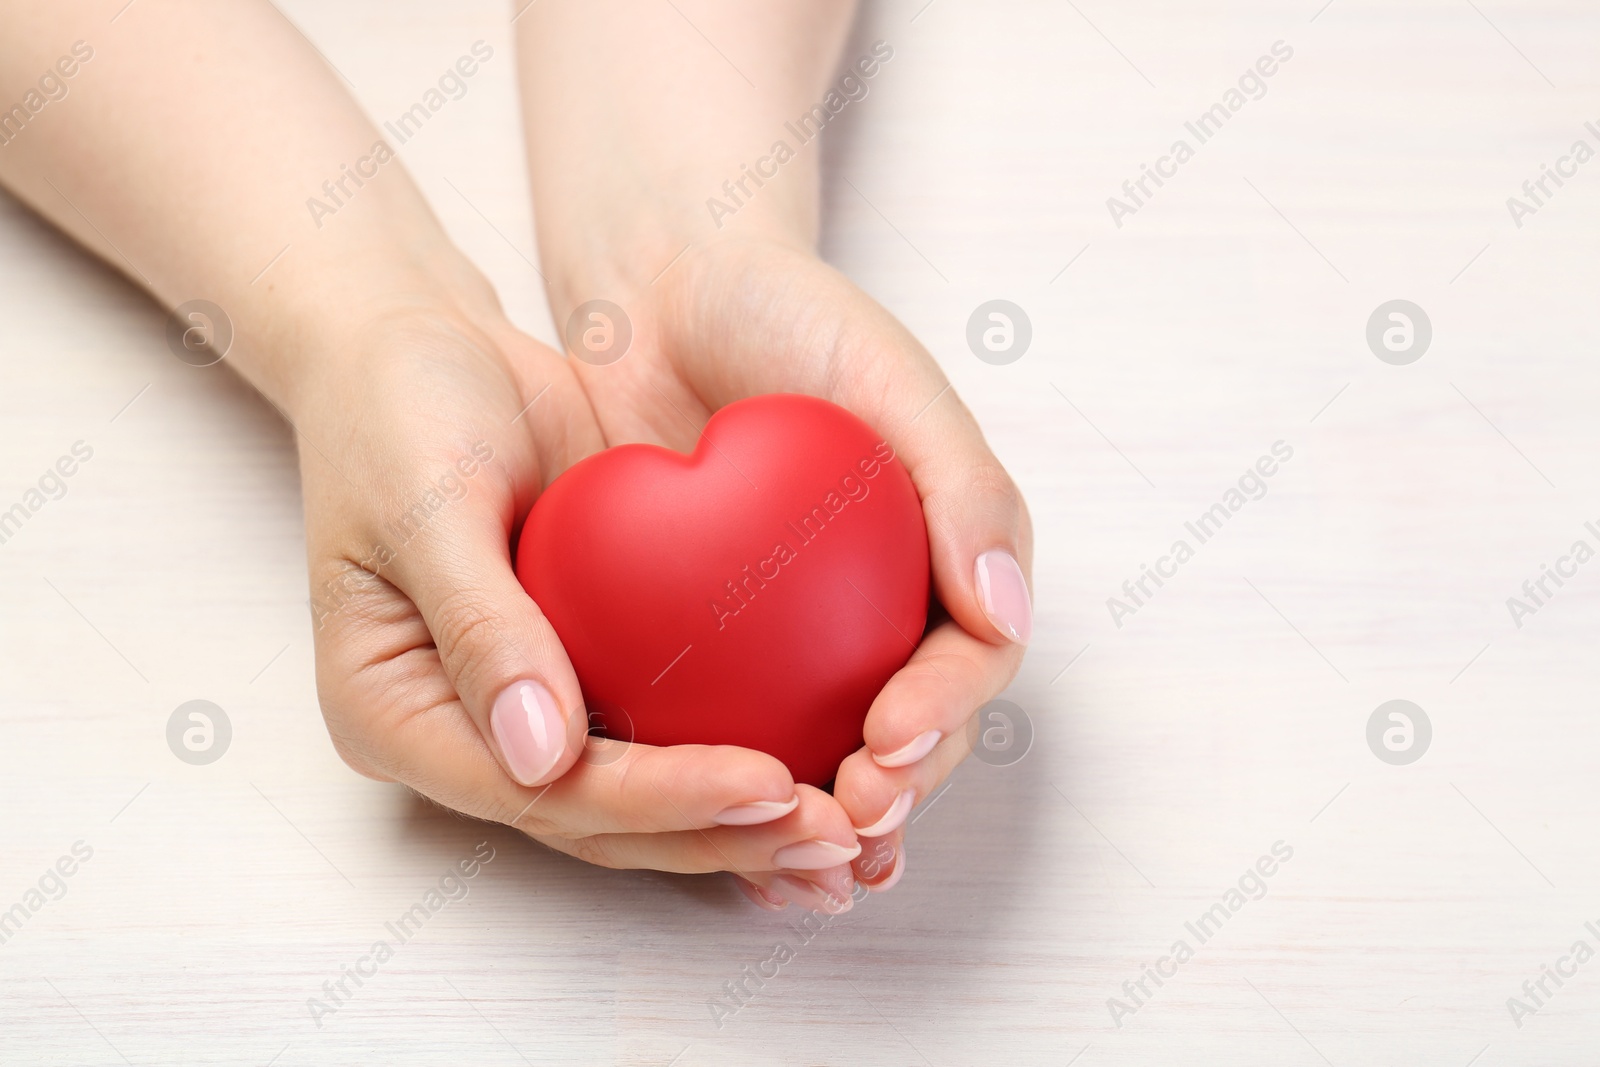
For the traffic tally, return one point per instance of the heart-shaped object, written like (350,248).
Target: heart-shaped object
(758,592)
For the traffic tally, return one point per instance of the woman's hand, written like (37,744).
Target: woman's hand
(420,450)
(426,426)
(738,318)
(633,141)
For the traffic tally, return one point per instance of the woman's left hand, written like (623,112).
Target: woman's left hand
(738,318)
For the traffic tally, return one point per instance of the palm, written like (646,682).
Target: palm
(726,322)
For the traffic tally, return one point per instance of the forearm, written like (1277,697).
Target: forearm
(186,147)
(639,115)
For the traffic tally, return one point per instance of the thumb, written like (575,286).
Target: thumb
(979,531)
(499,651)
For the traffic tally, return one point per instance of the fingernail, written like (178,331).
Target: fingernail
(529,729)
(814,855)
(1004,595)
(891,820)
(920,746)
(808,895)
(756,812)
(760,896)
(894,875)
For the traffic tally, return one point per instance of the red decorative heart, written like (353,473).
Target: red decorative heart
(758,592)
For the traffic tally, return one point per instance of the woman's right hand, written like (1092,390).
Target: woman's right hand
(420,451)
(389,353)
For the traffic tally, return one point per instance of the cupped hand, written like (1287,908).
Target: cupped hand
(420,450)
(740,317)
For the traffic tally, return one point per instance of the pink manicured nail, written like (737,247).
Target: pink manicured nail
(529,728)
(891,820)
(894,875)
(1004,595)
(920,746)
(814,855)
(760,896)
(809,895)
(756,812)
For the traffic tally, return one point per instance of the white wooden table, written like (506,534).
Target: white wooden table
(1226,714)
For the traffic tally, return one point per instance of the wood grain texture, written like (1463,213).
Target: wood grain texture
(1228,713)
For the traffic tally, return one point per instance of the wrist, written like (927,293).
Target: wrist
(648,146)
(592,249)
(320,318)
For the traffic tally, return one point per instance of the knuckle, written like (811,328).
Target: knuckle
(647,786)
(625,772)
(938,670)
(467,632)
(858,784)
(984,489)
(931,679)
(529,821)
(990,482)
(822,816)
(675,777)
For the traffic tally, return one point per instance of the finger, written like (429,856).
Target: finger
(394,715)
(815,836)
(880,798)
(949,677)
(619,788)
(823,336)
(760,895)
(391,710)
(829,891)
(979,534)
